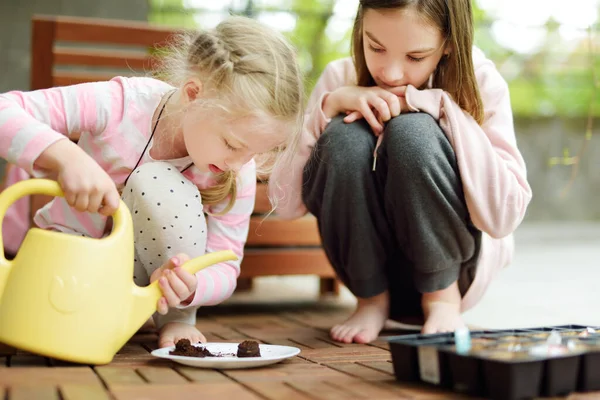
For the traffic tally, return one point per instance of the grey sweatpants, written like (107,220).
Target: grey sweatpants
(168,219)
(404,227)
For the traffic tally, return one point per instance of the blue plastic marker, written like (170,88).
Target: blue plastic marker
(462,340)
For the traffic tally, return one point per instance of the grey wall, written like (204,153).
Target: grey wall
(556,196)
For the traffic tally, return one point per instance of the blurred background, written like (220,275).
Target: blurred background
(547,50)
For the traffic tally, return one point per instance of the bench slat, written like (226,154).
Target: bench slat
(104,58)
(98,30)
(278,232)
(267,262)
(65,78)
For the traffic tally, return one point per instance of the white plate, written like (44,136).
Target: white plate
(270,354)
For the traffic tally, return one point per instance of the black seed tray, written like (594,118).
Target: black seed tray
(509,364)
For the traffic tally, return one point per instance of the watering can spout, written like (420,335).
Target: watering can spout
(146,298)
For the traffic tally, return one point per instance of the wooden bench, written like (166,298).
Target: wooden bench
(67,50)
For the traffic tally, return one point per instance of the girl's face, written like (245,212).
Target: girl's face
(400,48)
(217,142)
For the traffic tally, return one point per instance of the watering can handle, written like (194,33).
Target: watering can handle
(48,187)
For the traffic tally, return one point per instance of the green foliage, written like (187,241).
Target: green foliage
(551,81)
(170,12)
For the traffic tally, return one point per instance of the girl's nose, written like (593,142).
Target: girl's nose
(393,74)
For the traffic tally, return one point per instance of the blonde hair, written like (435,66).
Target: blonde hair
(247,69)
(455,73)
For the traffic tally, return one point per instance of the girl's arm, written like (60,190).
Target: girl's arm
(491,167)
(31,122)
(285,182)
(227,232)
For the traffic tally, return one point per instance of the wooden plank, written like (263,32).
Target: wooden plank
(83,392)
(368,390)
(277,391)
(313,342)
(47,376)
(286,372)
(274,231)
(28,360)
(192,391)
(66,78)
(267,334)
(33,392)
(323,390)
(42,39)
(287,342)
(202,375)
(346,354)
(383,366)
(136,354)
(136,60)
(161,375)
(320,320)
(359,371)
(100,30)
(267,262)
(112,376)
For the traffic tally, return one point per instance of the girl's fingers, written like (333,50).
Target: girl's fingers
(188,279)
(162,308)
(70,197)
(82,201)
(382,109)
(353,116)
(170,295)
(371,119)
(95,201)
(403,104)
(177,285)
(200,338)
(110,203)
(393,103)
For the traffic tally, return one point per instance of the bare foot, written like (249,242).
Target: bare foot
(172,332)
(442,310)
(366,322)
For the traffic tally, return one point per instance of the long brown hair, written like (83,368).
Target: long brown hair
(455,73)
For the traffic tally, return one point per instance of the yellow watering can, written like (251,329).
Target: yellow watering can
(71,297)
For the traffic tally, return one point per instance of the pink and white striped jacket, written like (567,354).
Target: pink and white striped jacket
(114,121)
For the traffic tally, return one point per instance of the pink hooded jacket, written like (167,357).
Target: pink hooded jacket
(492,169)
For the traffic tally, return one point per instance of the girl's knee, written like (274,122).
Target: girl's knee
(415,140)
(343,143)
(412,132)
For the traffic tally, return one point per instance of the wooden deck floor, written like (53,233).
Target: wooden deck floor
(323,370)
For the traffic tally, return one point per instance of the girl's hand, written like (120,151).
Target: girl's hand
(86,186)
(356,115)
(374,104)
(177,285)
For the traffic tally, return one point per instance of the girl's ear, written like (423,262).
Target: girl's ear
(192,90)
